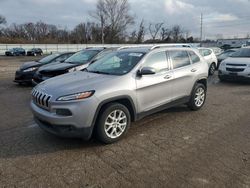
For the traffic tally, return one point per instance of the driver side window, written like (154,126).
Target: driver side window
(158,61)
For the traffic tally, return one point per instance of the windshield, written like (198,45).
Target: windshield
(116,63)
(244,52)
(82,57)
(226,53)
(49,58)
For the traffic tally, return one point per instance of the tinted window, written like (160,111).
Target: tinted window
(205,52)
(49,58)
(194,58)
(179,58)
(63,57)
(82,57)
(158,61)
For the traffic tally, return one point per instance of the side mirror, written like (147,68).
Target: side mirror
(61,61)
(146,71)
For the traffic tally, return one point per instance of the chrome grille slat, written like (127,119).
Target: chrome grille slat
(41,99)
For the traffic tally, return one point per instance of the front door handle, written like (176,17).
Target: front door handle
(167,77)
(193,70)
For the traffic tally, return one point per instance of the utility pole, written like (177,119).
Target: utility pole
(201,32)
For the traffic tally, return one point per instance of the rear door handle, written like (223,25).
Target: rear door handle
(193,70)
(167,77)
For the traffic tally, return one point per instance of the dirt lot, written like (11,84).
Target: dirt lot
(173,148)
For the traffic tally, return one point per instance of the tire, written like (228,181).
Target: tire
(221,79)
(110,130)
(212,69)
(197,100)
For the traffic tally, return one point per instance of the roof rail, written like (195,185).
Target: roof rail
(171,45)
(134,46)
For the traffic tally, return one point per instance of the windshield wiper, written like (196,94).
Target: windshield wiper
(97,72)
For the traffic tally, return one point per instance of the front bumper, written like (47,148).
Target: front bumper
(24,77)
(78,124)
(65,131)
(237,76)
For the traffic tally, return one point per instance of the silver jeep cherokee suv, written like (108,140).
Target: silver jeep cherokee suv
(121,87)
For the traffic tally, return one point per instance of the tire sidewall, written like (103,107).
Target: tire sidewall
(192,104)
(210,69)
(101,134)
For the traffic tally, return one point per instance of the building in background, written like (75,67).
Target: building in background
(233,43)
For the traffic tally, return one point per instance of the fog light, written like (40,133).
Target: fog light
(63,112)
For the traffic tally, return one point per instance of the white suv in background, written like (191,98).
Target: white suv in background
(237,66)
(210,58)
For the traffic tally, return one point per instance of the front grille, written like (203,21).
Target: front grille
(41,98)
(236,65)
(235,69)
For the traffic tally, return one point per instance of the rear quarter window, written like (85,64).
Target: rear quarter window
(194,57)
(179,58)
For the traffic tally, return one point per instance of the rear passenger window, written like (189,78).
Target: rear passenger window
(207,52)
(158,61)
(194,58)
(179,58)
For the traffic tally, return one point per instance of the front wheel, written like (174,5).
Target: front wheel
(113,123)
(198,97)
(212,69)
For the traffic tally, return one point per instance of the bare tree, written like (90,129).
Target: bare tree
(114,18)
(141,33)
(177,33)
(154,29)
(2,20)
(165,34)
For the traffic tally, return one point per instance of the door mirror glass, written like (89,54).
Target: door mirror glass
(146,71)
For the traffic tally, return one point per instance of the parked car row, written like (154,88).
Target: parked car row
(100,91)
(22,52)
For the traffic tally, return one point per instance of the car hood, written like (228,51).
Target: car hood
(74,82)
(57,67)
(30,64)
(238,60)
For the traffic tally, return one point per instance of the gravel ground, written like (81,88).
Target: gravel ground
(173,148)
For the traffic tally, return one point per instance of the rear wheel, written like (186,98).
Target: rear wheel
(198,97)
(113,123)
(212,69)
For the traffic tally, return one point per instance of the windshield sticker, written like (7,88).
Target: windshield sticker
(136,54)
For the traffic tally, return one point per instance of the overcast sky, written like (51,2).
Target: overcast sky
(228,17)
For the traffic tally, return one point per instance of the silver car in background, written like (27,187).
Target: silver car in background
(123,86)
(237,66)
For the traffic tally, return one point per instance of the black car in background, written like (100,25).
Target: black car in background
(78,61)
(15,52)
(28,69)
(34,52)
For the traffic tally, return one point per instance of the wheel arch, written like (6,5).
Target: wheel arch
(125,100)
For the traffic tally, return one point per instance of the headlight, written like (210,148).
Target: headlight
(72,70)
(76,96)
(30,69)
